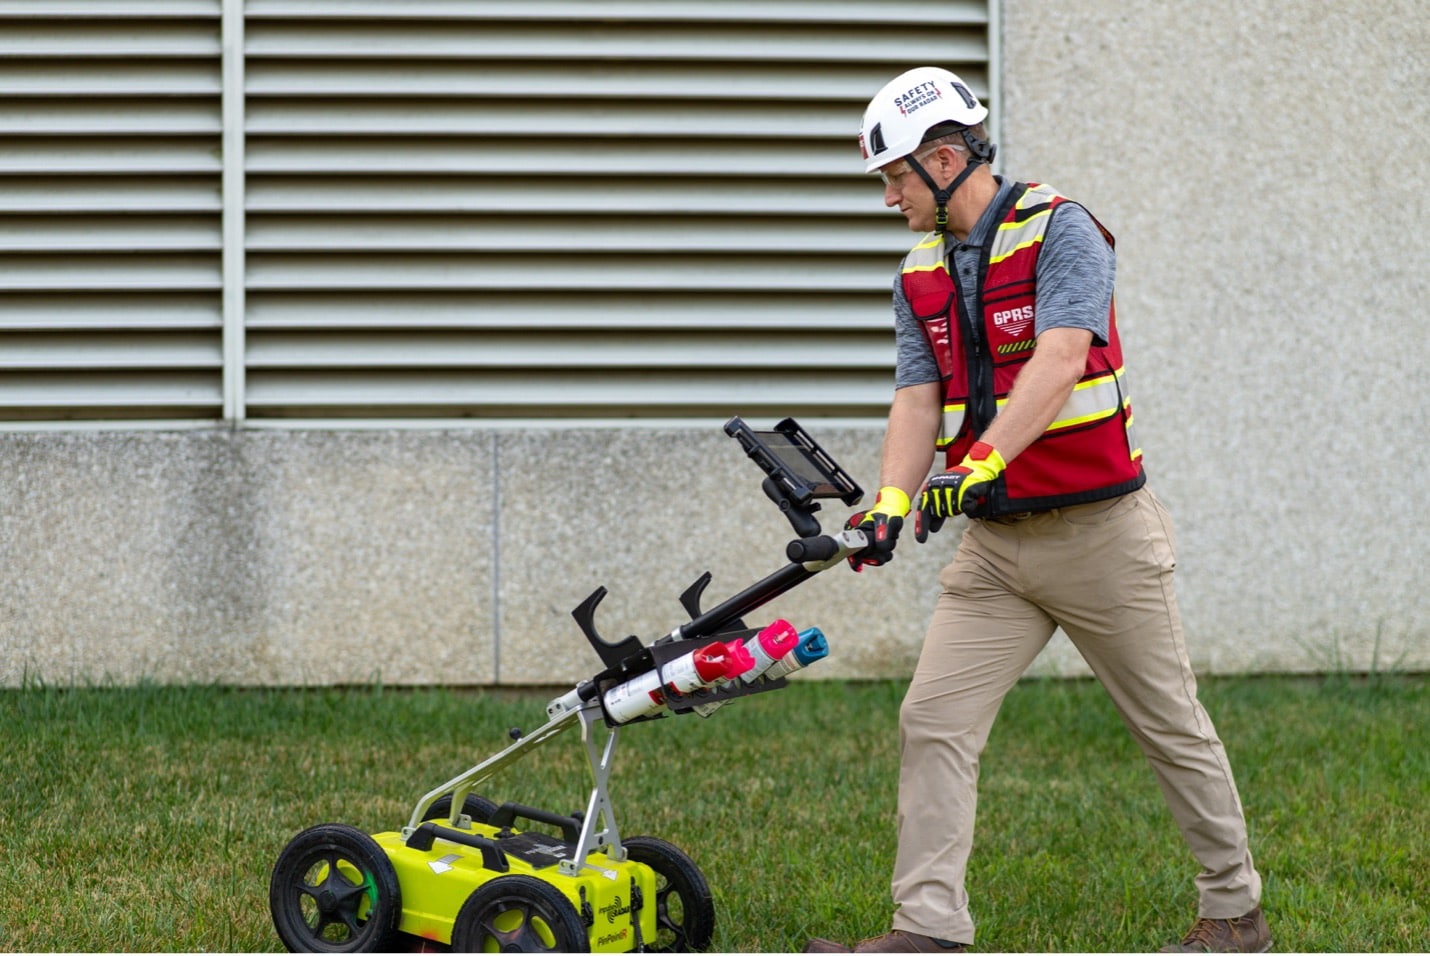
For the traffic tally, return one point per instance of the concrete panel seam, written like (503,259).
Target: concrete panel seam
(496,559)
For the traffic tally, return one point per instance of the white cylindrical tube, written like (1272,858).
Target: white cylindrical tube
(646,693)
(637,697)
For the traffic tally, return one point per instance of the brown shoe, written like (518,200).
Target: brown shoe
(899,941)
(1245,934)
(894,941)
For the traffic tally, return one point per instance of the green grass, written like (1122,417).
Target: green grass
(148,818)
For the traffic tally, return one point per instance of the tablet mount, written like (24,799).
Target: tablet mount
(797,471)
(798,474)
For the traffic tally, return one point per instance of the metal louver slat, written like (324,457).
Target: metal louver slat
(108,310)
(39,155)
(573,117)
(817,12)
(523,80)
(414,312)
(775,194)
(104,78)
(787,159)
(109,210)
(541,233)
(511,349)
(676,393)
(99,117)
(105,232)
(81,194)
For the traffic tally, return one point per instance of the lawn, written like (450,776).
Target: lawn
(147,819)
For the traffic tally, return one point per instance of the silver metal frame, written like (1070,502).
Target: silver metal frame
(598,828)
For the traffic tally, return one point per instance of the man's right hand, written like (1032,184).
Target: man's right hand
(881,524)
(964,488)
(925,525)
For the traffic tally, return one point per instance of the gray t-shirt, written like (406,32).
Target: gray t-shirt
(1075,274)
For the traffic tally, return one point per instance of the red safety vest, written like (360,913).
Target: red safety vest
(1089,451)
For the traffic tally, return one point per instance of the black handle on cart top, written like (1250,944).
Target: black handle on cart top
(492,856)
(508,813)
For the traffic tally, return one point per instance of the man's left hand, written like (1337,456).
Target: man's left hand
(881,524)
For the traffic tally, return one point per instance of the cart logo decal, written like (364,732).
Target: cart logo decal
(445,863)
(613,937)
(555,850)
(614,909)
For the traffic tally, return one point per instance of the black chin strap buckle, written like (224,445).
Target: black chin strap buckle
(980,152)
(942,196)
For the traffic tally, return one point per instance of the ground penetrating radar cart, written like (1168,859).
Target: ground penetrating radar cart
(468,874)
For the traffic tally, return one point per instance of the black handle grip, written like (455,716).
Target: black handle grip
(492,856)
(509,813)
(820,548)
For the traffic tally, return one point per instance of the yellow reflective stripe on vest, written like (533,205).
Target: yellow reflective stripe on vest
(1091,401)
(1019,234)
(952,425)
(1134,449)
(927,256)
(1016,236)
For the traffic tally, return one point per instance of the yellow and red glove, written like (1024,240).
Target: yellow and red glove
(964,488)
(881,524)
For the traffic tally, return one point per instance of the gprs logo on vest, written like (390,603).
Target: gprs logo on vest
(1014,322)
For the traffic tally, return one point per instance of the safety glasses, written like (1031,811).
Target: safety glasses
(894,173)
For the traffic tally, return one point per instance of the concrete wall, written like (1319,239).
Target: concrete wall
(408,556)
(1260,165)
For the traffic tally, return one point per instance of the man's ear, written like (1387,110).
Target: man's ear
(950,161)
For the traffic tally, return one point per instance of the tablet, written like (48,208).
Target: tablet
(803,471)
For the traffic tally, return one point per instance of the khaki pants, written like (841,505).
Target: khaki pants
(1103,572)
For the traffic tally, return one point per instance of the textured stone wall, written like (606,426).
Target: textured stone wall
(251,557)
(283,557)
(1260,164)
(315,557)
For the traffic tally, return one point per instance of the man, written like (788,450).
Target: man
(1009,361)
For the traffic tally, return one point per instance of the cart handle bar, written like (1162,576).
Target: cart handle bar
(808,557)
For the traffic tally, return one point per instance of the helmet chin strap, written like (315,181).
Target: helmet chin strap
(979,153)
(941,196)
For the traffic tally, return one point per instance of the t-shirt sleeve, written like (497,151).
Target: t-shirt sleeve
(1076,271)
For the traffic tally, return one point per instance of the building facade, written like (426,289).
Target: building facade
(351,341)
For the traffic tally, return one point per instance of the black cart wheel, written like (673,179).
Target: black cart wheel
(518,914)
(480,809)
(684,906)
(334,891)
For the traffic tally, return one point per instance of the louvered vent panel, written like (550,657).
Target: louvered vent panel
(454,208)
(571,209)
(110,210)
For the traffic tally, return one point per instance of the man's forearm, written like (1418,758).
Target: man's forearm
(1041,389)
(914,420)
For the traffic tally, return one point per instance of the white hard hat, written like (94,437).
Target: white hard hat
(908,107)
